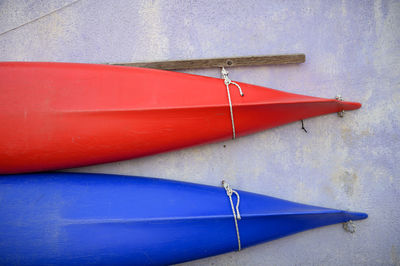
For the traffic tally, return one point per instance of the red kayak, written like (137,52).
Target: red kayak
(61,115)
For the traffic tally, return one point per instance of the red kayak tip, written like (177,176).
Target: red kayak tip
(347,106)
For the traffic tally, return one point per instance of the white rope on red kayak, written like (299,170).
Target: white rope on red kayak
(227,82)
(236,214)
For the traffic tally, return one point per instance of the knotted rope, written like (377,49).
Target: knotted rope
(227,82)
(236,214)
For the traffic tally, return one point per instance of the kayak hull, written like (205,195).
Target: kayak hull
(61,115)
(71,218)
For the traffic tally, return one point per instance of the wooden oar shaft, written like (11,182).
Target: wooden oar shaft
(222,62)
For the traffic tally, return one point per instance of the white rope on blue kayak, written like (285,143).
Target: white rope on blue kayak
(236,214)
(227,82)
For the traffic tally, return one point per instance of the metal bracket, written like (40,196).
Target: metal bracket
(340,98)
(349,227)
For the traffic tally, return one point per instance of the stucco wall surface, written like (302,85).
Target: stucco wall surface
(352,49)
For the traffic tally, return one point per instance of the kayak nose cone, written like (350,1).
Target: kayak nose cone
(354,216)
(347,106)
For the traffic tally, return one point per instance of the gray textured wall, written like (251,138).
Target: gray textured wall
(352,48)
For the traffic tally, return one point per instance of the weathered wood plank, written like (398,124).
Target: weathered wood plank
(222,62)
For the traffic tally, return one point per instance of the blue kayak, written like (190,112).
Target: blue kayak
(73,218)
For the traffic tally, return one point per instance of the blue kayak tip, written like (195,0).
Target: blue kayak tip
(354,216)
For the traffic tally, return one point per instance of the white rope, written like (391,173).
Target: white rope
(227,82)
(236,215)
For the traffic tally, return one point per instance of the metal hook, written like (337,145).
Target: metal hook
(302,126)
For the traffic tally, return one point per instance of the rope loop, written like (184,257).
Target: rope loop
(227,82)
(236,214)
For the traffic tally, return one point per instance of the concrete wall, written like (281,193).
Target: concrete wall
(352,48)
